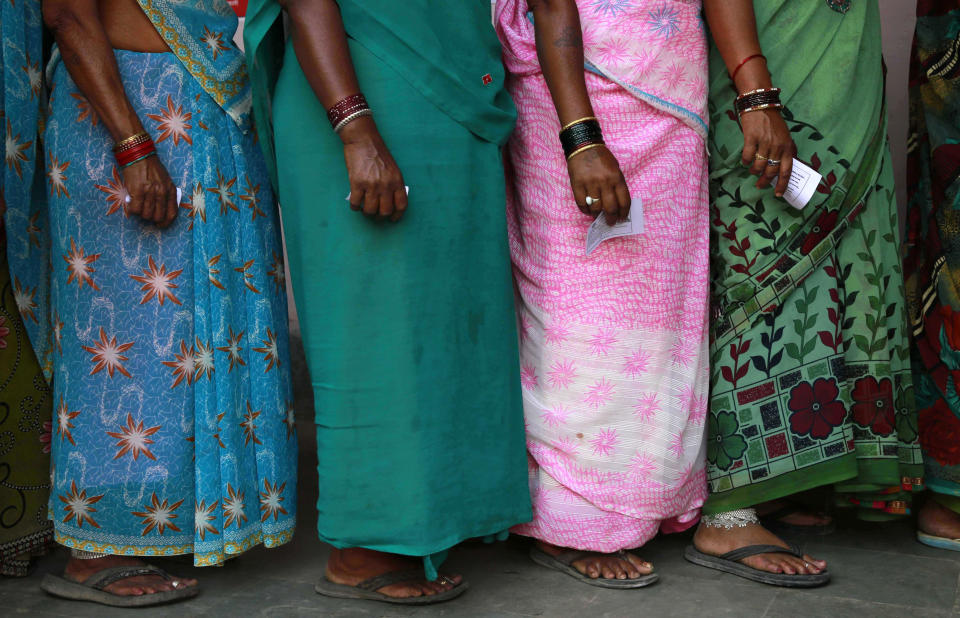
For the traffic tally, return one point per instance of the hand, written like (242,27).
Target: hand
(153,196)
(376,184)
(595,173)
(766,136)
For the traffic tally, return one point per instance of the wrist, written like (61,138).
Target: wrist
(358,131)
(753,76)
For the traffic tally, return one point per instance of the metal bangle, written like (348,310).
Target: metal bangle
(152,153)
(582,149)
(351,118)
(578,120)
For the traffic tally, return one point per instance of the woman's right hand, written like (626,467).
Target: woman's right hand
(596,174)
(376,184)
(153,196)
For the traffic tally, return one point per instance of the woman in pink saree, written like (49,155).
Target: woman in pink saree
(614,345)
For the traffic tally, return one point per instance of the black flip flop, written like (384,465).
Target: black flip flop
(92,588)
(564,563)
(773,521)
(730,563)
(367,589)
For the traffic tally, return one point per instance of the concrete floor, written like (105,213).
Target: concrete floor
(878,570)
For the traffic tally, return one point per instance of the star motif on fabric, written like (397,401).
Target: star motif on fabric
(270,351)
(197,206)
(290,421)
(249,426)
(277,273)
(34,77)
(15,151)
(676,445)
(84,109)
(23,297)
(233,508)
(233,349)
(202,516)
(213,41)
(647,406)
(184,366)
(270,501)
(33,230)
(556,333)
(108,354)
(78,265)
(636,364)
(247,275)
(602,342)
(157,283)
(251,197)
(604,442)
(117,194)
(599,394)
(57,173)
(58,332)
(555,416)
(79,507)
(223,193)
(213,272)
(173,123)
(562,373)
(566,445)
(528,377)
(204,360)
(134,439)
(64,416)
(158,515)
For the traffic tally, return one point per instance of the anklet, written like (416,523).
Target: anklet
(79,554)
(740,518)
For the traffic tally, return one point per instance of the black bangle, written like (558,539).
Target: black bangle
(762,98)
(578,134)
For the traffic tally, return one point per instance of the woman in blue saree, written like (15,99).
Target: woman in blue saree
(173,423)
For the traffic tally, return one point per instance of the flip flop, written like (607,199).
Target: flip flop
(92,588)
(729,563)
(367,589)
(564,563)
(773,521)
(940,542)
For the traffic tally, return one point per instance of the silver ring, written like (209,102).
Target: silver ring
(772,162)
(592,200)
(806,564)
(443,579)
(175,584)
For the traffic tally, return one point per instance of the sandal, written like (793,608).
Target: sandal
(92,588)
(367,589)
(730,563)
(940,542)
(773,521)
(564,563)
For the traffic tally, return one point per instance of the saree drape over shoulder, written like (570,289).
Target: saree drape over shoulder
(933,255)
(811,380)
(25,398)
(174,421)
(613,347)
(408,328)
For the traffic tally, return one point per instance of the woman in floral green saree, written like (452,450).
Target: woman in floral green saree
(811,374)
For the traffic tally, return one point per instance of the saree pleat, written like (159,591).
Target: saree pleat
(933,254)
(811,379)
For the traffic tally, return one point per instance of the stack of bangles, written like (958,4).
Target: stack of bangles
(134,149)
(756,100)
(580,135)
(347,110)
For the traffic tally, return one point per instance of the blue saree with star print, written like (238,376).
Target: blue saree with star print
(173,422)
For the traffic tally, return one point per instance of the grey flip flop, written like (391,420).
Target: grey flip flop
(729,563)
(92,588)
(564,563)
(367,589)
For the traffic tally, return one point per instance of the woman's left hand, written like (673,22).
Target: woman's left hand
(768,148)
(596,174)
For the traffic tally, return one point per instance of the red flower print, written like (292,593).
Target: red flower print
(824,225)
(46,436)
(873,407)
(816,410)
(108,354)
(940,434)
(4,331)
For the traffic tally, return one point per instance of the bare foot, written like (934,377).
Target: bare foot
(801,517)
(81,570)
(607,566)
(352,566)
(937,520)
(718,541)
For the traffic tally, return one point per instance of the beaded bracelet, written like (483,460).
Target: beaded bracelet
(347,110)
(580,135)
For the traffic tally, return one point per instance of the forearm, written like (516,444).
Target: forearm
(733,26)
(320,42)
(560,50)
(88,57)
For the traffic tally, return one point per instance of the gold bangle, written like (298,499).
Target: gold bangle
(758,91)
(570,124)
(759,108)
(583,149)
(142,137)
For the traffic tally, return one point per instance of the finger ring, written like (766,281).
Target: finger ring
(592,200)
(806,564)
(759,157)
(175,584)
(772,162)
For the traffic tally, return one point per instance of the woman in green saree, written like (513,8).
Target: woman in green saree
(811,372)
(407,316)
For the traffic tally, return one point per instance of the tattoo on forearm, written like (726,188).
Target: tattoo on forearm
(569,37)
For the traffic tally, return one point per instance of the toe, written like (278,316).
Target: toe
(642,567)
(608,572)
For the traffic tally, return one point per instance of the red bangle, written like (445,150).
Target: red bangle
(733,76)
(129,155)
(345,108)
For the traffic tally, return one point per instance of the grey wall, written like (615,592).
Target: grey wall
(899,18)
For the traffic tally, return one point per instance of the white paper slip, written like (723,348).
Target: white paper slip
(601,231)
(179,195)
(405,187)
(804,181)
